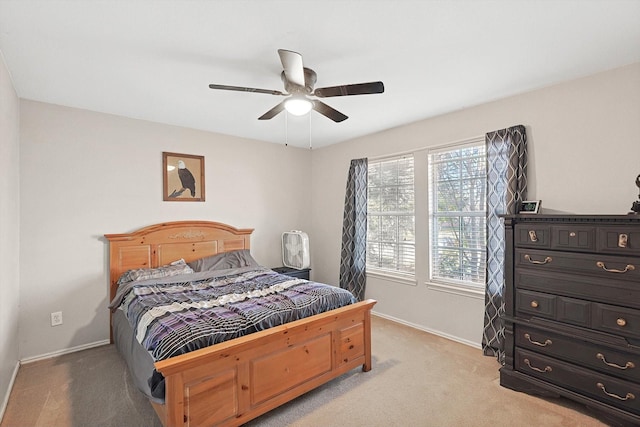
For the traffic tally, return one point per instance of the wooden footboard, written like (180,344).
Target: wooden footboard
(233,382)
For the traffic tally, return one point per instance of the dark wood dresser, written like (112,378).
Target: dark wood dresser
(572,311)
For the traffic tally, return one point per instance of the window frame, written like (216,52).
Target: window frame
(395,275)
(452,285)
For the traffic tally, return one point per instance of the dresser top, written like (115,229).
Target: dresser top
(629,218)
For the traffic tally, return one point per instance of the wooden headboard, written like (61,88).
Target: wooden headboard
(161,244)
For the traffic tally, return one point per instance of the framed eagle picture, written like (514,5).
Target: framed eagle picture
(182,177)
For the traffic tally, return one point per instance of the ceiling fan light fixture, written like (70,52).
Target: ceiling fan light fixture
(298,106)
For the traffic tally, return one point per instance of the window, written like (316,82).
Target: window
(457,217)
(390,216)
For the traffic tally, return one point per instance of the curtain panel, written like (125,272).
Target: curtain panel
(354,231)
(506,188)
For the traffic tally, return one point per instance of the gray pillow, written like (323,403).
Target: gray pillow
(173,269)
(224,260)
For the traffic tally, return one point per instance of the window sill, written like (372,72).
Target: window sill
(402,279)
(466,291)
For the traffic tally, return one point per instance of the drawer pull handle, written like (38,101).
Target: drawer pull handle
(541,344)
(533,261)
(546,368)
(627,365)
(622,240)
(532,236)
(629,396)
(629,267)
(621,322)
(534,304)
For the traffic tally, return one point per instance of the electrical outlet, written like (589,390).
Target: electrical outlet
(56,318)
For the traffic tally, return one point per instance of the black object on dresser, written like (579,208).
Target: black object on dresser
(572,310)
(300,274)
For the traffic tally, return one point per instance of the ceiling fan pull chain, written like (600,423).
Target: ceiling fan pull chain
(310,132)
(286,129)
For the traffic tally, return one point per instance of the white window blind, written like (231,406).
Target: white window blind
(457,200)
(390,215)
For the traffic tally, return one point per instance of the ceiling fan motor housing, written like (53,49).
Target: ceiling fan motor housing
(310,79)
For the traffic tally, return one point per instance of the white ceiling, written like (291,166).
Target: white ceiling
(154,59)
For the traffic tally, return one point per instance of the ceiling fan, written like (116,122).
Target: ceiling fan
(299,84)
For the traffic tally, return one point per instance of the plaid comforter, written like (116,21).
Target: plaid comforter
(183,313)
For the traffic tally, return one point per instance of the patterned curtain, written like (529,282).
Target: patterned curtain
(506,187)
(354,231)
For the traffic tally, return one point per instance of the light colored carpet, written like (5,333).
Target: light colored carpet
(417,379)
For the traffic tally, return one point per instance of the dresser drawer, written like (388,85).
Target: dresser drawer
(605,358)
(604,266)
(535,303)
(621,321)
(619,240)
(613,391)
(573,237)
(532,235)
(562,309)
(616,320)
(623,239)
(616,292)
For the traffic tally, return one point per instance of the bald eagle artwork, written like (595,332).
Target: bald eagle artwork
(187,181)
(182,177)
(186,178)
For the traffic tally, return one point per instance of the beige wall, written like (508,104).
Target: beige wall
(9,231)
(584,155)
(85,174)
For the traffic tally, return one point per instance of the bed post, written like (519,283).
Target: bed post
(367,337)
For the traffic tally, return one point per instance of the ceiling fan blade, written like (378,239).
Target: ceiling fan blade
(354,89)
(272,112)
(329,112)
(246,89)
(292,66)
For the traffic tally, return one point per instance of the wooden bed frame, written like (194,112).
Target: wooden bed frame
(233,382)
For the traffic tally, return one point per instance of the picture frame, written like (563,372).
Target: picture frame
(182,177)
(530,207)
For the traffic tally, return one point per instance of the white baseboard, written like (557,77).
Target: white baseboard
(63,351)
(431,331)
(5,401)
